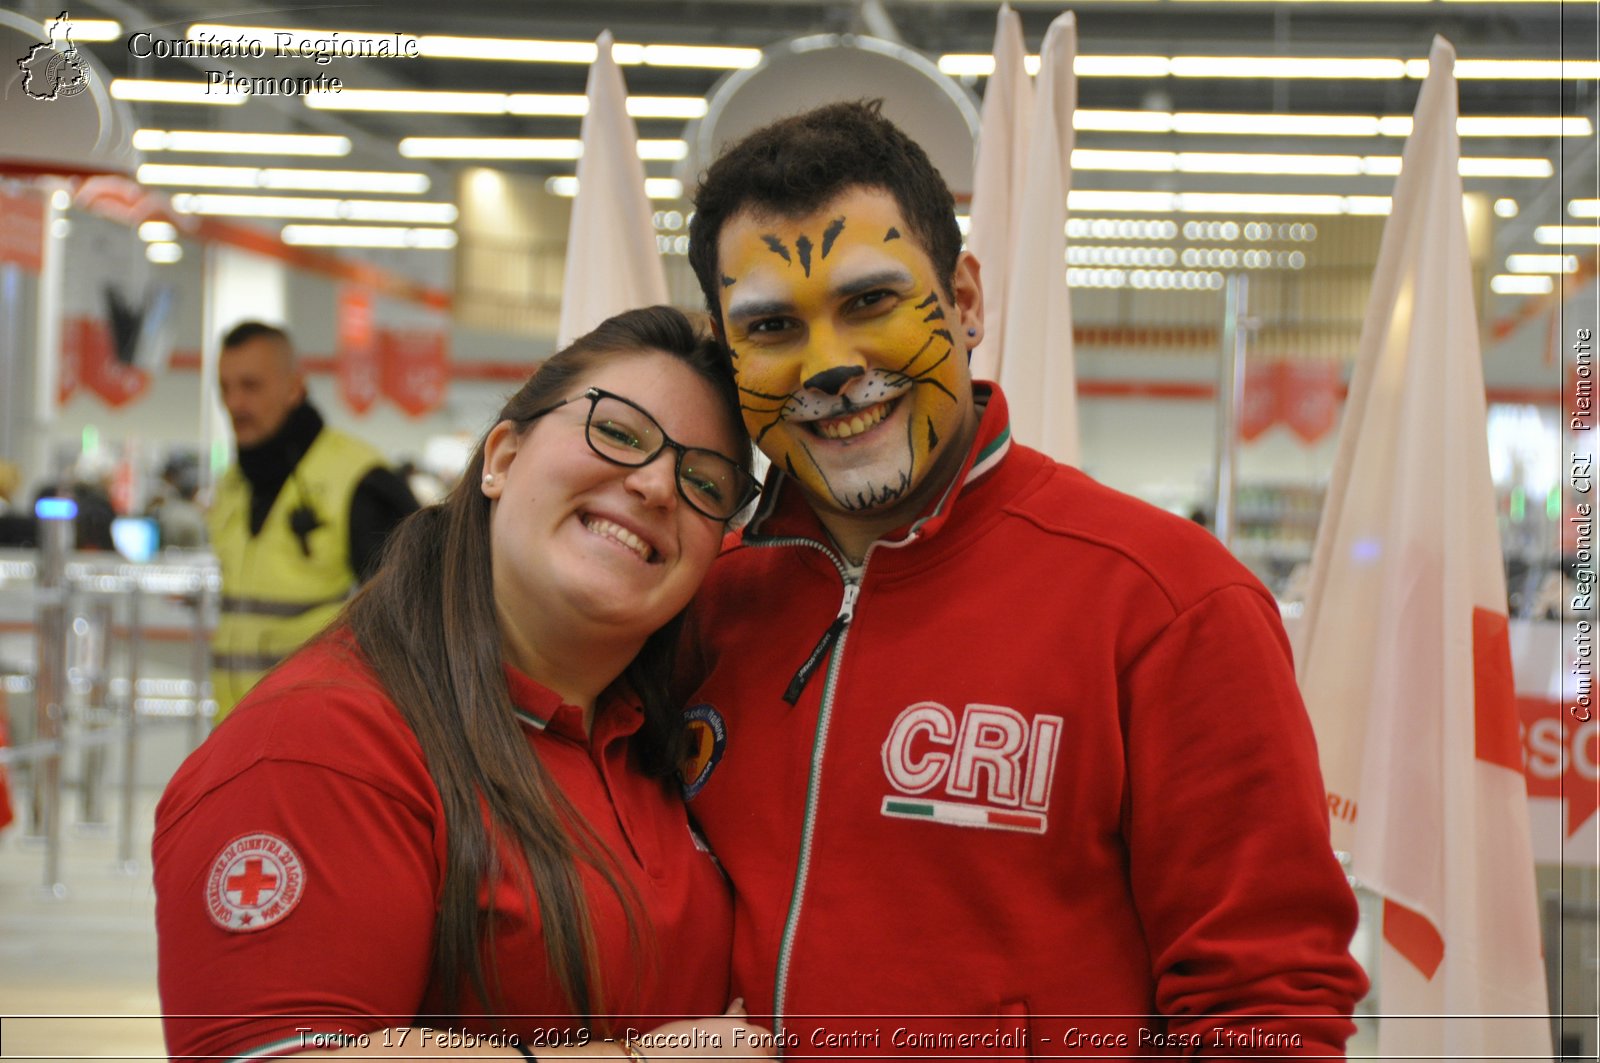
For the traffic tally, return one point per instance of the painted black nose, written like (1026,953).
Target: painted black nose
(832,381)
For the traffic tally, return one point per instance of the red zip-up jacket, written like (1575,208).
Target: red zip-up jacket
(1047,786)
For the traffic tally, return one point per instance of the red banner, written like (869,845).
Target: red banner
(1309,397)
(357,352)
(22,230)
(415,369)
(1260,408)
(88,358)
(69,370)
(1560,756)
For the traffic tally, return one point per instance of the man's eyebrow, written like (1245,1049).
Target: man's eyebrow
(883,278)
(741,309)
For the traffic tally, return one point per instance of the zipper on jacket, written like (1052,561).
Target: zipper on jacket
(808,668)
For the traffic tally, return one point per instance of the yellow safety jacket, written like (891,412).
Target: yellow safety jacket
(276,593)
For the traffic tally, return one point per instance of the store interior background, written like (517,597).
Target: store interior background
(1148,358)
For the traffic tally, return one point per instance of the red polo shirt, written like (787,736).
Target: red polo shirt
(300,857)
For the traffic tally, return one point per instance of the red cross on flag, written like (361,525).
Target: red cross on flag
(1403,657)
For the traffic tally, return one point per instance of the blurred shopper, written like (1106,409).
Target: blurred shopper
(1031,746)
(298,522)
(457,808)
(181,521)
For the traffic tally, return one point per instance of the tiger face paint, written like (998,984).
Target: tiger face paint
(850,358)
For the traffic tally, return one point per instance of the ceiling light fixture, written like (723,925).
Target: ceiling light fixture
(174,92)
(1289,68)
(283,178)
(1317,125)
(559,105)
(526,148)
(368,236)
(1507,284)
(1567,234)
(240,143)
(325,209)
(654,187)
(1542,263)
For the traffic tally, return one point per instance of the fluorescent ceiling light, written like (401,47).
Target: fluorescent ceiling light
(1316,125)
(1506,284)
(968,64)
(163,253)
(1514,69)
(1584,208)
(1238,66)
(240,143)
(158,232)
(283,178)
(654,187)
(1520,126)
(286,40)
(1309,125)
(564,105)
(1304,165)
(1542,263)
(1505,208)
(303,207)
(368,236)
(525,148)
(1226,162)
(962,64)
(508,50)
(1366,205)
(1242,203)
(490,148)
(1567,234)
(710,57)
(1488,167)
(95,29)
(405,100)
(174,92)
(685,107)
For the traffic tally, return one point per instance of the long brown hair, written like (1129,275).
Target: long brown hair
(426,625)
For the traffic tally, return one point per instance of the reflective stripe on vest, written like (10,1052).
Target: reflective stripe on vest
(278,593)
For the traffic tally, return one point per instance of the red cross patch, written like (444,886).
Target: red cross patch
(255,881)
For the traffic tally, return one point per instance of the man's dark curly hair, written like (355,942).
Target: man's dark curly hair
(800,164)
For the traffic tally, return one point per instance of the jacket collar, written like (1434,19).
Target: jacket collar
(786,514)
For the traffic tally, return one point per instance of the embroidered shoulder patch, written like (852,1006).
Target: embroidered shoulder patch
(707,737)
(255,881)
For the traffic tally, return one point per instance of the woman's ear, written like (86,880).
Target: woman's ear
(499,449)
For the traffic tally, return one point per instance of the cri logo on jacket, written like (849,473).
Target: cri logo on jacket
(986,767)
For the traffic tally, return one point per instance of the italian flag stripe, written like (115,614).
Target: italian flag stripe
(960,815)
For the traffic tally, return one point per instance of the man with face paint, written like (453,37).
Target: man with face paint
(1003,760)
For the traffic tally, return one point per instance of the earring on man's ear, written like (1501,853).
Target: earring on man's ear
(972,333)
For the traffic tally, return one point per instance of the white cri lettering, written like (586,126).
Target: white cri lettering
(992,737)
(940,725)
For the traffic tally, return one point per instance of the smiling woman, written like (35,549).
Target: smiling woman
(473,767)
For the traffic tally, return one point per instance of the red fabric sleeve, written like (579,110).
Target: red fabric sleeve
(352,955)
(1247,912)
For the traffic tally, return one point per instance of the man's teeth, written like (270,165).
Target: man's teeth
(618,533)
(845,427)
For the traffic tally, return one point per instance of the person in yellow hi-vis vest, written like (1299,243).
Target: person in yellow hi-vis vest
(297,522)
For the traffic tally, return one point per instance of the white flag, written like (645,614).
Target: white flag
(1000,168)
(1036,370)
(1404,658)
(612,261)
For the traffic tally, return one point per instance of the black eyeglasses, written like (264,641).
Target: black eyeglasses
(622,433)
